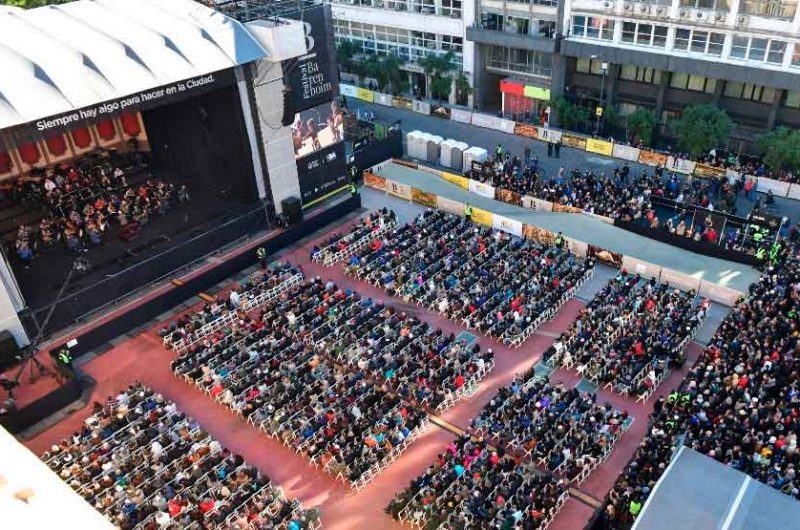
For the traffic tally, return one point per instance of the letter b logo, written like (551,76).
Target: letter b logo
(309,37)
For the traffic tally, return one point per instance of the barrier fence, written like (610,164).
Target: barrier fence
(715,292)
(577,141)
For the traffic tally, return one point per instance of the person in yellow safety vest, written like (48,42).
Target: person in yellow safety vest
(261,254)
(468,212)
(635,507)
(761,254)
(353,189)
(673,397)
(559,240)
(65,357)
(686,399)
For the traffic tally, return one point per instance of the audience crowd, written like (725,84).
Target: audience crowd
(739,404)
(630,333)
(491,281)
(555,426)
(473,486)
(81,202)
(370,227)
(145,465)
(275,370)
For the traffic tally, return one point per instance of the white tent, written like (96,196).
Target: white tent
(60,58)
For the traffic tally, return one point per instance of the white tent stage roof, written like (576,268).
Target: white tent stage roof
(57,59)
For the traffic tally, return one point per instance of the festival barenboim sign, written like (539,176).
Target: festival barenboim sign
(312,78)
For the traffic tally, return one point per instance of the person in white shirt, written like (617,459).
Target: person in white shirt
(235,298)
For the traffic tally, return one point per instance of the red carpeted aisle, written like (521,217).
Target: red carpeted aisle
(144,358)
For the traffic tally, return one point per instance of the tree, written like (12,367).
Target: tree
(642,125)
(397,79)
(612,118)
(438,68)
(702,128)
(781,149)
(570,116)
(463,89)
(347,53)
(29,4)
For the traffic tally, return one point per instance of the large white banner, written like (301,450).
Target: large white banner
(398,189)
(421,107)
(506,126)
(486,120)
(626,152)
(680,165)
(461,115)
(794,192)
(449,205)
(778,188)
(430,170)
(479,188)
(507,224)
(348,90)
(637,266)
(382,99)
(679,280)
(579,248)
(718,293)
(549,135)
(540,205)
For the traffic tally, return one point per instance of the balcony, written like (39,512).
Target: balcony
(768,8)
(444,8)
(483,35)
(707,5)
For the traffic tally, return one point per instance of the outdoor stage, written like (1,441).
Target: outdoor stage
(143,357)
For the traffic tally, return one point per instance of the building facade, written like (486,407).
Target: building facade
(662,55)
(411,30)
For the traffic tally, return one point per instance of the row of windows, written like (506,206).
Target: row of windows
(688,40)
(695,83)
(408,54)
(447,8)
(518,25)
(421,39)
(516,60)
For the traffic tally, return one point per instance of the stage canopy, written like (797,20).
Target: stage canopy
(32,496)
(56,60)
(698,493)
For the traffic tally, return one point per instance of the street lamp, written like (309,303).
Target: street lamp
(599,110)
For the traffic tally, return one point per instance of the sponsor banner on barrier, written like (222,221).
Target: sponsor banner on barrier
(430,170)
(526,129)
(626,152)
(549,135)
(570,140)
(449,205)
(614,259)
(365,95)
(458,180)
(564,208)
(421,107)
(778,188)
(479,188)
(506,126)
(486,120)
(398,189)
(482,217)
(507,224)
(461,116)
(378,168)
(794,192)
(374,181)
(534,233)
(423,197)
(348,90)
(407,163)
(711,172)
(601,147)
(679,280)
(652,158)
(719,293)
(383,99)
(579,248)
(540,205)
(402,103)
(642,268)
(680,165)
(508,196)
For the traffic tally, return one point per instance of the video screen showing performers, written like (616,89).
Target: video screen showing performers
(317,128)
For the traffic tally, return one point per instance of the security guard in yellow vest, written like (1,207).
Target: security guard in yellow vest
(468,212)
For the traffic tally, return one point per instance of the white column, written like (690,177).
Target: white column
(731,20)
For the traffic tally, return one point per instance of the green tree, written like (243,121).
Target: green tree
(438,68)
(612,118)
(397,79)
(347,53)
(463,89)
(781,149)
(702,128)
(642,125)
(28,4)
(570,116)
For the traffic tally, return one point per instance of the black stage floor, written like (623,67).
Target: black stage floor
(41,282)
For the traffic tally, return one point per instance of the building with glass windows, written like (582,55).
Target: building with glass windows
(742,55)
(411,30)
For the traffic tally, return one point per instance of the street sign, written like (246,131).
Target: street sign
(598,111)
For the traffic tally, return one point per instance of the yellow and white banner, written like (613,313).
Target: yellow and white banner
(482,217)
(398,189)
(601,147)
(458,180)
(507,224)
(449,205)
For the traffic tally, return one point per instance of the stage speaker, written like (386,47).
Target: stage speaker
(288,108)
(292,209)
(8,350)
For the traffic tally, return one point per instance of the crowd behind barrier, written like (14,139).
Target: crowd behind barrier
(739,404)
(145,465)
(560,429)
(472,486)
(313,369)
(486,279)
(630,334)
(375,179)
(338,246)
(784,184)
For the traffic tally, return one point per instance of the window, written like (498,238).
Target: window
(792,99)
(492,21)
(644,34)
(516,60)
(758,49)
(679,80)
(592,28)
(749,91)
(715,5)
(715,44)
(699,41)
(451,8)
(769,8)
(695,83)
(796,56)
(629,72)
